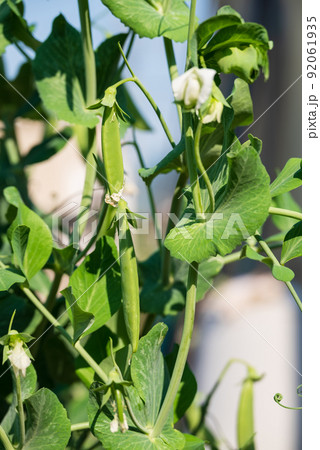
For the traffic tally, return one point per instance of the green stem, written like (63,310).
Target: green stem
(174,209)
(128,53)
(285,212)
(118,399)
(91,94)
(192,165)
(20,409)
(173,70)
(133,417)
(91,362)
(201,168)
(80,426)
(182,353)
(37,303)
(265,247)
(149,98)
(5,440)
(88,53)
(192,23)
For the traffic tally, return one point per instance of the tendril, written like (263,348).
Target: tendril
(279,397)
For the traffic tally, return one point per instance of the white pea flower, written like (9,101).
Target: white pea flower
(214,112)
(114,424)
(193,88)
(19,358)
(114,198)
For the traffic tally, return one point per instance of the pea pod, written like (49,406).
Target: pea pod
(245,412)
(111,149)
(129,278)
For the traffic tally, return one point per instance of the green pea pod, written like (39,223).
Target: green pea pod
(245,412)
(129,278)
(111,149)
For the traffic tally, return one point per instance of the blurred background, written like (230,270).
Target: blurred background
(250,315)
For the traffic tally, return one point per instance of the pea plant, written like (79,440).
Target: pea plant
(104,332)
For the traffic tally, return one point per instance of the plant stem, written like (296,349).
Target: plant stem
(173,69)
(192,165)
(91,94)
(136,80)
(174,210)
(20,409)
(192,22)
(265,247)
(182,353)
(201,168)
(91,362)
(285,212)
(5,440)
(88,53)
(80,426)
(118,399)
(128,53)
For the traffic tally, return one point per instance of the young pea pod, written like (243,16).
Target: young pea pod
(129,278)
(111,149)
(245,412)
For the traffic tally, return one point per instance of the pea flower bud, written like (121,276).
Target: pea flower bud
(193,88)
(19,358)
(213,112)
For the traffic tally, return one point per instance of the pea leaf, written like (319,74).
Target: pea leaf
(238,213)
(147,371)
(100,415)
(240,49)
(58,68)
(81,320)
(193,443)
(152,18)
(39,245)
(187,389)
(8,277)
(288,179)
(19,241)
(241,102)
(47,422)
(96,283)
(167,164)
(107,58)
(64,258)
(225,17)
(292,244)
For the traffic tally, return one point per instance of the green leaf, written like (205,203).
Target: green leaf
(19,242)
(282,273)
(64,258)
(167,164)
(96,283)
(240,49)
(39,243)
(187,389)
(292,245)
(147,371)
(193,443)
(100,415)
(48,148)
(152,18)
(241,102)
(8,277)
(81,320)
(47,422)
(238,212)
(59,73)
(107,59)
(288,179)
(226,16)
